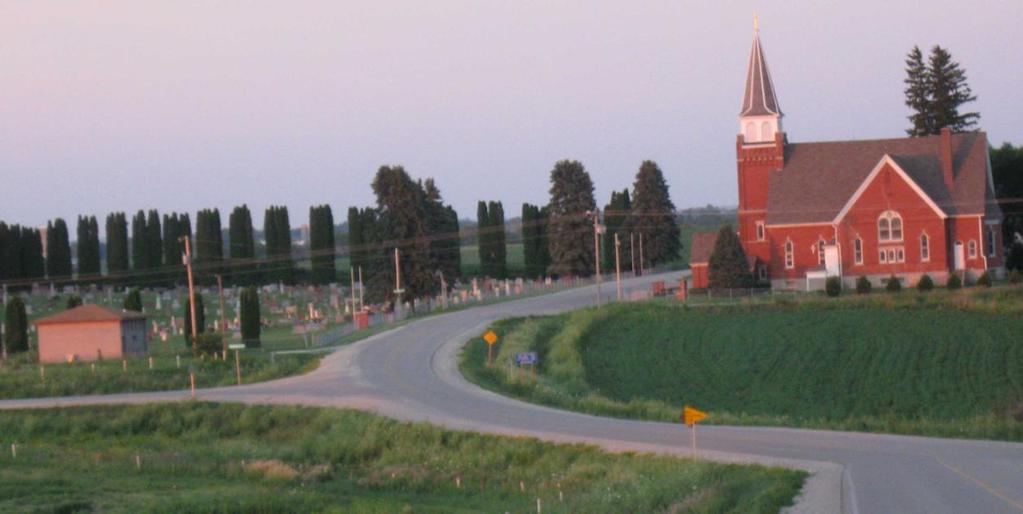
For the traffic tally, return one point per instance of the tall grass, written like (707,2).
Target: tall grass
(199,457)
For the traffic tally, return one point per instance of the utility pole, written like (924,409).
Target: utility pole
(641,263)
(352,273)
(632,252)
(362,287)
(187,258)
(223,314)
(597,230)
(618,266)
(397,279)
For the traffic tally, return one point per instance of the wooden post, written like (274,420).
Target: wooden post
(124,365)
(42,373)
(238,366)
(618,266)
(632,252)
(177,360)
(352,274)
(187,258)
(14,451)
(692,431)
(490,355)
(150,362)
(191,380)
(223,315)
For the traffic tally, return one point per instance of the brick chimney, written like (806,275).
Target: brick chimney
(946,157)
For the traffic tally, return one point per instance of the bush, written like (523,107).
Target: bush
(133,301)
(984,280)
(250,317)
(863,285)
(210,343)
(833,286)
(1015,277)
(893,285)
(954,282)
(74,301)
(926,283)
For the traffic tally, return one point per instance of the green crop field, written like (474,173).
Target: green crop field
(950,367)
(202,457)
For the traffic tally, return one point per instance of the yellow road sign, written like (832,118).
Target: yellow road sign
(490,337)
(691,416)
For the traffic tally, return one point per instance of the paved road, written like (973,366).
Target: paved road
(411,373)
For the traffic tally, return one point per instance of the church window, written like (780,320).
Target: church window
(971,248)
(789,258)
(820,252)
(760,231)
(751,132)
(889,226)
(925,248)
(765,131)
(858,251)
(990,241)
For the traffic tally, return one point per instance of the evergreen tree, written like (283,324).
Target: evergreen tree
(918,94)
(367,251)
(242,247)
(935,93)
(133,300)
(356,238)
(15,326)
(139,239)
(88,248)
(200,316)
(209,246)
(483,240)
(117,244)
(58,250)
(401,207)
(32,263)
(7,247)
(492,239)
(277,231)
(175,227)
(727,267)
(570,229)
(250,317)
(616,214)
(536,252)
(73,301)
(321,244)
(442,228)
(154,241)
(1007,174)
(653,216)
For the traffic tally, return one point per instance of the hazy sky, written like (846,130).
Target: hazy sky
(183,105)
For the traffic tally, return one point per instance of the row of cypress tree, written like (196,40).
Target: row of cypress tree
(492,240)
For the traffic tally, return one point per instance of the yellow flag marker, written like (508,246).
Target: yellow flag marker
(691,417)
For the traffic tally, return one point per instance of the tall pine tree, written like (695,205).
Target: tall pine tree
(58,250)
(277,231)
(535,247)
(139,240)
(570,229)
(209,246)
(117,246)
(935,92)
(616,213)
(242,247)
(321,244)
(653,216)
(15,326)
(728,268)
(918,97)
(88,248)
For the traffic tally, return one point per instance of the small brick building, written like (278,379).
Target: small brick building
(89,332)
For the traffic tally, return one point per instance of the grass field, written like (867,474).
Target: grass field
(202,457)
(946,365)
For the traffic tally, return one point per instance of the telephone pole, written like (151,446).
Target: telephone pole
(397,278)
(187,260)
(632,252)
(362,303)
(223,314)
(618,266)
(352,273)
(641,263)
(597,231)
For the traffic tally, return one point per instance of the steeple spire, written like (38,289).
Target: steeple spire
(759,98)
(760,118)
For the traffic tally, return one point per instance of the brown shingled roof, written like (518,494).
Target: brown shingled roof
(759,98)
(819,178)
(701,247)
(86,313)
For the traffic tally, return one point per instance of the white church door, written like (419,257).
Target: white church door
(832,261)
(960,256)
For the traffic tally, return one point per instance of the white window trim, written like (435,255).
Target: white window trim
(858,251)
(761,231)
(925,247)
(821,243)
(889,217)
(971,249)
(790,257)
(992,241)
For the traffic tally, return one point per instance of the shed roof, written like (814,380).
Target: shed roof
(702,247)
(87,313)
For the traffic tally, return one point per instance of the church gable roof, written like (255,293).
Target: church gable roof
(820,178)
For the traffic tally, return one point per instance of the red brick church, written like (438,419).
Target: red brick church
(876,208)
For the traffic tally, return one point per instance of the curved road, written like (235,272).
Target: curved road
(411,373)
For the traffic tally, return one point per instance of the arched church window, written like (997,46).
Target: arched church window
(889,226)
(751,132)
(765,131)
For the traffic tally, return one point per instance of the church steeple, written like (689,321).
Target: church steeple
(760,118)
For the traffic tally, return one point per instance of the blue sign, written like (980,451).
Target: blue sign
(526,358)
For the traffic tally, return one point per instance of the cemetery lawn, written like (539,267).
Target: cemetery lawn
(205,457)
(946,364)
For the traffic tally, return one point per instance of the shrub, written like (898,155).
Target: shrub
(954,282)
(1015,277)
(133,301)
(833,286)
(893,285)
(250,317)
(210,343)
(863,285)
(73,301)
(926,283)
(984,280)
